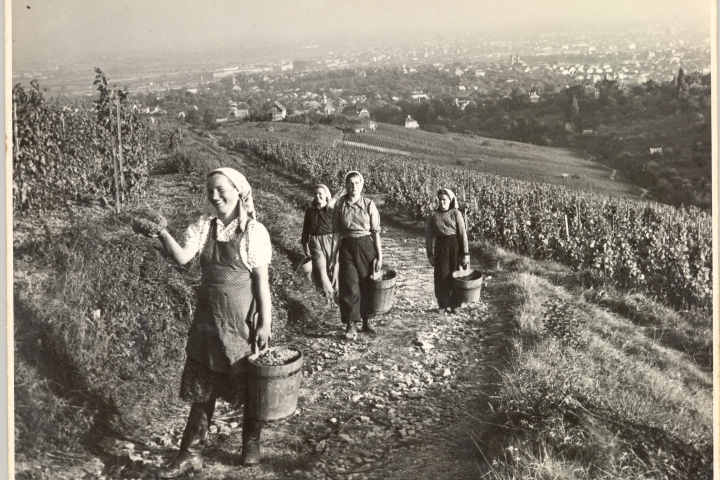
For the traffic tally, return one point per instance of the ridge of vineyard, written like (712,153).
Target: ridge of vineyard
(661,250)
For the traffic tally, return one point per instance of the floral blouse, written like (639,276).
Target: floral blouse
(255,248)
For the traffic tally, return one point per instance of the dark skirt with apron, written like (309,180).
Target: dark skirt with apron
(218,341)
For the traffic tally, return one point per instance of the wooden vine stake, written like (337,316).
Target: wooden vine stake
(114,158)
(567,228)
(120,148)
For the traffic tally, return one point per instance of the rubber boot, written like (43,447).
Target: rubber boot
(193,442)
(251,431)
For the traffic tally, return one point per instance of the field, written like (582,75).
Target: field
(558,372)
(556,166)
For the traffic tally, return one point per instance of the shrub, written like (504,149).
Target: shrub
(60,152)
(187,160)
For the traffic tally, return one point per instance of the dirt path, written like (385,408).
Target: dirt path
(405,403)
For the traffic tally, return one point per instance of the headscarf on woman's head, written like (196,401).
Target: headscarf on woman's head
(450,194)
(328,194)
(354,172)
(241,184)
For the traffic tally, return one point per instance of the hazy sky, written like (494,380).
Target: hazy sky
(60,28)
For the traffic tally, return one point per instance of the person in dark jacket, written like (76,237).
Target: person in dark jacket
(317,241)
(446,245)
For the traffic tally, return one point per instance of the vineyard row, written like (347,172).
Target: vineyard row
(657,249)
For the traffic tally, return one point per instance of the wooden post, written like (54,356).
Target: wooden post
(114,160)
(120,152)
(567,228)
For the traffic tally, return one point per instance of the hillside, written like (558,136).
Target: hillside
(522,161)
(546,376)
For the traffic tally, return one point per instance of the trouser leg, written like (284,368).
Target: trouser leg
(364,257)
(349,283)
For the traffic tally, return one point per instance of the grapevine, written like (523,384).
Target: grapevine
(661,250)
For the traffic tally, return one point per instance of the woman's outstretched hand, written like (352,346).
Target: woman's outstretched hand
(465,262)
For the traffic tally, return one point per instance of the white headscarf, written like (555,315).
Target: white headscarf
(450,194)
(241,184)
(354,172)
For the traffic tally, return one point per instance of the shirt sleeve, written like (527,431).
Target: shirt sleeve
(374,218)
(336,216)
(259,248)
(196,234)
(462,232)
(429,235)
(306,227)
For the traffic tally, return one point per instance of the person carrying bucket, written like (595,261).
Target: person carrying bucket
(446,245)
(358,251)
(317,241)
(233,313)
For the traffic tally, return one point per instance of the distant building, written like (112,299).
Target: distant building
(278,112)
(364,113)
(656,151)
(329,108)
(479,73)
(411,123)
(534,97)
(418,95)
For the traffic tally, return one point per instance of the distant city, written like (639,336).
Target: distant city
(629,57)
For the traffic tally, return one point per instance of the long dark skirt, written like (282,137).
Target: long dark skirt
(447,260)
(200,384)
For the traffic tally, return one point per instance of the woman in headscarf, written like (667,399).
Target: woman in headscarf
(233,313)
(356,226)
(317,240)
(445,228)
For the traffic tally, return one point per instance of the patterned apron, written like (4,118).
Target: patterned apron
(219,335)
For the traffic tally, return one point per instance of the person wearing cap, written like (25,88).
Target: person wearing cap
(317,240)
(358,251)
(446,245)
(233,314)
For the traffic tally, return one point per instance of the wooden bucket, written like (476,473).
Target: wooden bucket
(467,285)
(382,292)
(272,391)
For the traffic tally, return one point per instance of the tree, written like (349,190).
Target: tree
(574,108)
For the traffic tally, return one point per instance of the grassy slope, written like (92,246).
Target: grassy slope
(589,394)
(504,158)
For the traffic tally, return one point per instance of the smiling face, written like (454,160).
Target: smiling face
(320,197)
(354,186)
(443,201)
(222,194)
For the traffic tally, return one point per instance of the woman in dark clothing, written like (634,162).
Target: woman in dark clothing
(317,241)
(233,313)
(446,227)
(357,247)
